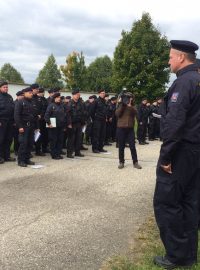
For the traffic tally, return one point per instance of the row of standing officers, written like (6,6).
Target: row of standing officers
(32,112)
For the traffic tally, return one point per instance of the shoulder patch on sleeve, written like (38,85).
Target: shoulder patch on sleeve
(174,97)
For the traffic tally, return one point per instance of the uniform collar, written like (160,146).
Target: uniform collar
(192,67)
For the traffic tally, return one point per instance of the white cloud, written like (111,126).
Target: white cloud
(31,30)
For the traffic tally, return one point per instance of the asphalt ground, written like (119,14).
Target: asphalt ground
(73,214)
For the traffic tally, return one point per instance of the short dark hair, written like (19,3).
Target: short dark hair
(191,57)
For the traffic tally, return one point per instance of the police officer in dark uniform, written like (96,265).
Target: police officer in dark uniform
(108,122)
(6,122)
(152,121)
(113,105)
(176,192)
(42,142)
(56,111)
(88,132)
(67,131)
(37,105)
(99,123)
(198,67)
(77,113)
(27,123)
(159,106)
(51,93)
(20,95)
(142,115)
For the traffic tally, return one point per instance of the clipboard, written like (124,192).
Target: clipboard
(53,122)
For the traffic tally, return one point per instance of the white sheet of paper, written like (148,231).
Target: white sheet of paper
(37,166)
(83,128)
(156,115)
(36,135)
(53,122)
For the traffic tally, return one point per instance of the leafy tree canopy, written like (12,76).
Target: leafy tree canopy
(141,60)
(75,71)
(50,76)
(99,74)
(10,74)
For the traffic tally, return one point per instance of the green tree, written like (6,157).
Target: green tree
(50,76)
(99,74)
(75,71)
(10,74)
(141,60)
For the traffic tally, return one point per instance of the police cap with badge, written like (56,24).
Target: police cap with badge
(184,46)
(51,91)
(35,86)
(27,89)
(2,83)
(55,95)
(101,90)
(75,91)
(41,90)
(19,93)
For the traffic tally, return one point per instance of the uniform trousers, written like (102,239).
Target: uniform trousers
(75,138)
(152,128)
(56,140)
(26,140)
(16,139)
(176,205)
(142,132)
(108,132)
(42,142)
(6,137)
(98,134)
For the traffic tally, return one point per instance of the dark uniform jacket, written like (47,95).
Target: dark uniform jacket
(24,114)
(142,113)
(58,111)
(99,109)
(44,105)
(77,112)
(88,107)
(110,111)
(6,107)
(180,122)
(37,105)
(49,100)
(153,109)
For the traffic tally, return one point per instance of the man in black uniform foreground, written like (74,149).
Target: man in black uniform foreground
(6,122)
(99,113)
(142,114)
(176,192)
(26,122)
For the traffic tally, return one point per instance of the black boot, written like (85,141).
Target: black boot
(22,164)
(69,155)
(29,162)
(2,160)
(78,154)
(163,262)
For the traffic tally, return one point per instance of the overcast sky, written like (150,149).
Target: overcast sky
(30,30)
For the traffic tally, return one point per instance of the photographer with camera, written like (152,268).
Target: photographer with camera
(126,114)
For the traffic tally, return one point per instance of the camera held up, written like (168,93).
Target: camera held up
(125,97)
